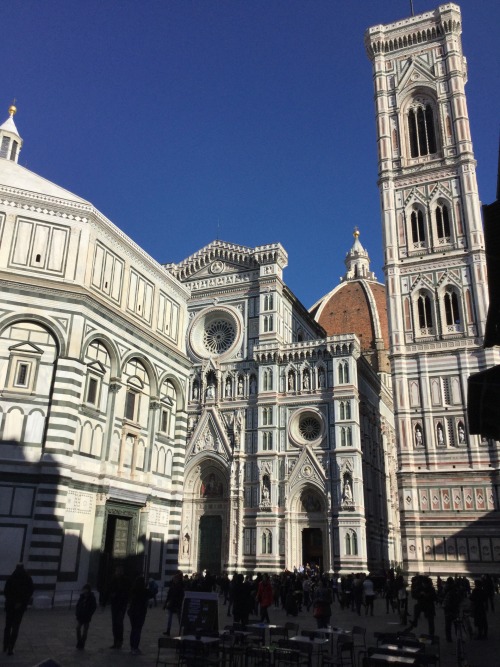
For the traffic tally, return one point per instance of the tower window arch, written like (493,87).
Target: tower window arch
(417,226)
(421,130)
(267,542)
(442,222)
(451,308)
(351,543)
(267,383)
(424,307)
(343,372)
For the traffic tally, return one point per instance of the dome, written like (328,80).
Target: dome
(358,305)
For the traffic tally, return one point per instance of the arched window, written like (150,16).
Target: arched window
(348,436)
(343,372)
(267,441)
(268,323)
(268,380)
(348,409)
(168,409)
(351,543)
(268,302)
(343,436)
(451,309)
(424,311)
(417,226)
(442,222)
(421,130)
(267,416)
(342,410)
(267,542)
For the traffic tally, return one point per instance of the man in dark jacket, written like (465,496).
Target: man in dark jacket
(18,591)
(118,595)
(173,602)
(85,608)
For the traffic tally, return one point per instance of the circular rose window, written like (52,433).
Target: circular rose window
(215,332)
(219,336)
(306,427)
(309,427)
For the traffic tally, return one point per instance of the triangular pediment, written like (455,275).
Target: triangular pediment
(97,367)
(220,258)
(415,196)
(26,348)
(417,73)
(209,437)
(307,470)
(423,281)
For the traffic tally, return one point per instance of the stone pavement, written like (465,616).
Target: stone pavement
(50,633)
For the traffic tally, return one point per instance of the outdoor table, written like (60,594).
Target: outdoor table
(333,632)
(401,648)
(201,638)
(384,658)
(265,626)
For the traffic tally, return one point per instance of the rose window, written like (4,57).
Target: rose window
(218,337)
(309,427)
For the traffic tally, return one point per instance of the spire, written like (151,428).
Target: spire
(357,261)
(10,140)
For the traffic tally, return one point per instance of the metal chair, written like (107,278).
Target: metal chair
(286,657)
(291,627)
(168,652)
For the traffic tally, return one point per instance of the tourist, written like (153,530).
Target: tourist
(85,608)
(118,595)
(369,595)
(18,590)
(479,600)
(264,598)
(137,610)
(322,609)
(173,601)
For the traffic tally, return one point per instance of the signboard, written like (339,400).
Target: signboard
(200,613)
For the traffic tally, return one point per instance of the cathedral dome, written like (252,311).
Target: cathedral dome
(358,305)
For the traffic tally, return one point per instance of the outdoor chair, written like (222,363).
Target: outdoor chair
(292,628)
(168,652)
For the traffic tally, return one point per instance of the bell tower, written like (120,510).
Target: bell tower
(435,271)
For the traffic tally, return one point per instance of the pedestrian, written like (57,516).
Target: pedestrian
(479,600)
(118,595)
(137,610)
(153,589)
(425,597)
(369,595)
(242,599)
(173,601)
(264,598)
(85,608)
(322,609)
(451,605)
(18,590)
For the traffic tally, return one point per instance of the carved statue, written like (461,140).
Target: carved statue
(418,436)
(196,391)
(440,436)
(306,380)
(210,392)
(253,385)
(461,434)
(185,545)
(347,491)
(228,388)
(240,386)
(265,493)
(321,378)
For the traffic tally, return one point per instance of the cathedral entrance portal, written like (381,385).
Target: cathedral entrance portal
(312,547)
(210,544)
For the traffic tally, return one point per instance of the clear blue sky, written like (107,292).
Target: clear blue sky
(246,120)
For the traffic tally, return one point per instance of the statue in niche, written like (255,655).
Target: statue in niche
(228,388)
(185,545)
(240,386)
(265,493)
(306,380)
(440,436)
(461,434)
(196,391)
(347,494)
(418,436)
(321,378)
(210,392)
(253,385)
(291,382)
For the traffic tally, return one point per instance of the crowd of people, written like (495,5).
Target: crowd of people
(301,591)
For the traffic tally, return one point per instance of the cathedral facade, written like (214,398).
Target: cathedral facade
(197,415)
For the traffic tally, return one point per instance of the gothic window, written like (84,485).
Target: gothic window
(342,411)
(268,380)
(267,542)
(268,323)
(451,309)
(137,381)
(267,441)
(343,372)
(406,308)
(267,416)
(249,535)
(345,410)
(131,404)
(424,306)
(442,222)
(421,130)
(168,409)
(417,226)
(97,370)
(268,302)
(346,436)
(351,543)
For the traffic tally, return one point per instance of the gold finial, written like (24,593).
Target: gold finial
(356,232)
(13,108)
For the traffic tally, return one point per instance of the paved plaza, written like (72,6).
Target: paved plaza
(50,633)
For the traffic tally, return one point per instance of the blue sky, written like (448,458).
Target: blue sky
(251,121)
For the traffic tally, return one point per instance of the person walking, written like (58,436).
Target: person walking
(85,608)
(137,610)
(265,598)
(479,600)
(173,601)
(369,595)
(322,609)
(451,605)
(18,590)
(118,595)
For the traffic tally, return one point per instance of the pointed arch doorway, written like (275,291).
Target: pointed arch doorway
(312,547)
(210,543)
